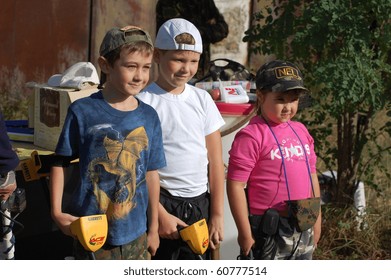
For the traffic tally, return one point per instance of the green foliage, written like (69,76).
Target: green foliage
(343,48)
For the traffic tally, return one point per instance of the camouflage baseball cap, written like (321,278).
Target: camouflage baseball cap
(117,37)
(279,76)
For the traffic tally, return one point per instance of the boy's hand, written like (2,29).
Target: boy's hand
(63,221)
(153,242)
(6,191)
(168,226)
(216,231)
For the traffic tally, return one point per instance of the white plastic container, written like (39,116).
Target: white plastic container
(234,94)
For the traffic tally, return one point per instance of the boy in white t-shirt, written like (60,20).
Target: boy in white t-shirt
(192,183)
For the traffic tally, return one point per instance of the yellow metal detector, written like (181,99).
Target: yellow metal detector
(91,231)
(196,236)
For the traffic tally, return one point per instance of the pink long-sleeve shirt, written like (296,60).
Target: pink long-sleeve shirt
(255,158)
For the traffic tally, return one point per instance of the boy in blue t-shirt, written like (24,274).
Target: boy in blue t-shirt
(118,141)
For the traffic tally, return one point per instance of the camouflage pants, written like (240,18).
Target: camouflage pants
(134,250)
(292,244)
(286,244)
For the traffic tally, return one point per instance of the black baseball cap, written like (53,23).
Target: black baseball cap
(279,76)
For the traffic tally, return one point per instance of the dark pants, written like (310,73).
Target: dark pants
(189,210)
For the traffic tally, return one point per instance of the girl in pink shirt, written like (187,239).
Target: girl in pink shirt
(272,160)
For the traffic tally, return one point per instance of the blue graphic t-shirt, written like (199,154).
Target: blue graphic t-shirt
(115,150)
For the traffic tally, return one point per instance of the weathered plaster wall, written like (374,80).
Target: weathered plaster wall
(237,15)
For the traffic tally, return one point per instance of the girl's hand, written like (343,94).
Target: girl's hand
(245,244)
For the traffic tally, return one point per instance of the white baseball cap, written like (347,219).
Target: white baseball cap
(165,38)
(78,76)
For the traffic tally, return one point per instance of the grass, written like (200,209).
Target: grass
(341,240)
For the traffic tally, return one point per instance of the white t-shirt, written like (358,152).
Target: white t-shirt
(185,119)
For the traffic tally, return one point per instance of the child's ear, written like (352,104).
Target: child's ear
(103,64)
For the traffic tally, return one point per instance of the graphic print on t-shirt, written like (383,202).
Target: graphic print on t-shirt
(291,150)
(114,176)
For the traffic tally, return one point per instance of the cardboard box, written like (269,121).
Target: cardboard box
(50,109)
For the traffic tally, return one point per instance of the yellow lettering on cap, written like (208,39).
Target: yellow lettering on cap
(286,72)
